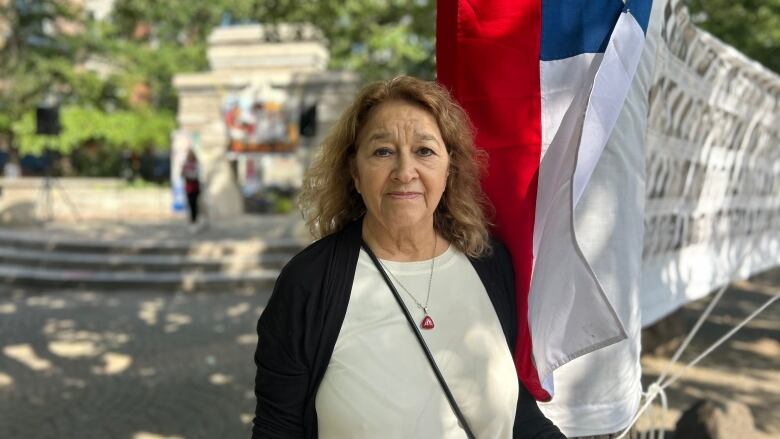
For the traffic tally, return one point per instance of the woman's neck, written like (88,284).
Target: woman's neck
(402,244)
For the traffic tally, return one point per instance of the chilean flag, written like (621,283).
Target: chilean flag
(544,82)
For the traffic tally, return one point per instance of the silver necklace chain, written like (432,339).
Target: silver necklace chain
(423,308)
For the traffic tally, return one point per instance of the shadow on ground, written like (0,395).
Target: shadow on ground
(746,368)
(127,365)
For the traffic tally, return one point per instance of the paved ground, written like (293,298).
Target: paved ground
(239,228)
(745,369)
(132,365)
(127,365)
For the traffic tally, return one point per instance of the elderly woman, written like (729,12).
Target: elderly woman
(399,322)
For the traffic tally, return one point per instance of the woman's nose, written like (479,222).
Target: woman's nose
(405,170)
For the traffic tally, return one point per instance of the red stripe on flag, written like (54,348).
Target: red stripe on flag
(488,56)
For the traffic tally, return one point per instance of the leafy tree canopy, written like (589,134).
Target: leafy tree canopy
(32,61)
(752,26)
(376,38)
(144,43)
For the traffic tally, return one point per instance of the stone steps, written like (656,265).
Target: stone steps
(146,246)
(41,260)
(127,280)
(138,262)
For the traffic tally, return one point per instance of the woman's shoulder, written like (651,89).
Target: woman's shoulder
(312,263)
(496,252)
(312,258)
(300,277)
(495,266)
(321,267)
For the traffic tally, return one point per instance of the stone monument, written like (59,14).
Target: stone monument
(284,59)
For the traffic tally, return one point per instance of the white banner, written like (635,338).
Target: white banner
(713,168)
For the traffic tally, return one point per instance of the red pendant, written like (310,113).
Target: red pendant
(427,322)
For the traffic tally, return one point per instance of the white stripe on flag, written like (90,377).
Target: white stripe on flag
(610,88)
(569,313)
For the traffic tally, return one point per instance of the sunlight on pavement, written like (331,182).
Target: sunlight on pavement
(69,343)
(149,310)
(765,347)
(5,380)
(25,354)
(178,319)
(74,382)
(219,379)
(235,311)
(189,280)
(655,417)
(147,435)
(7,308)
(113,363)
(174,321)
(247,339)
(769,375)
(74,349)
(756,287)
(54,326)
(87,296)
(709,376)
(101,359)
(757,323)
(47,302)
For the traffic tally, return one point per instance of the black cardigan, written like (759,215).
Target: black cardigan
(299,327)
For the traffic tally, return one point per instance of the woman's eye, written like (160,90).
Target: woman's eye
(425,151)
(383,152)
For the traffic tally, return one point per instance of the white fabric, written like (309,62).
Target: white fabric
(570,314)
(598,393)
(559,86)
(713,167)
(613,80)
(711,200)
(379,383)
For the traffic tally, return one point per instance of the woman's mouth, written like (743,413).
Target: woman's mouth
(404,195)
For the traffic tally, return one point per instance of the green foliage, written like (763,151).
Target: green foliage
(157,66)
(182,22)
(33,62)
(282,204)
(116,131)
(147,42)
(376,38)
(751,26)
(94,161)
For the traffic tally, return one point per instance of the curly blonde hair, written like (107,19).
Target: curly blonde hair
(329,200)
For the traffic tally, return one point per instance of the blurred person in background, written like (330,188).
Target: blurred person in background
(190,172)
(404,263)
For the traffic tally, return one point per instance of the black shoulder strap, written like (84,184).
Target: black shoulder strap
(423,345)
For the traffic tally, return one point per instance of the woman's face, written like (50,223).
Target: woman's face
(401,165)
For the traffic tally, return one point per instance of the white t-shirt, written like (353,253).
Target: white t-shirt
(379,383)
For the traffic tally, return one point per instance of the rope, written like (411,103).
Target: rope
(657,388)
(693,332)
(722,340)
